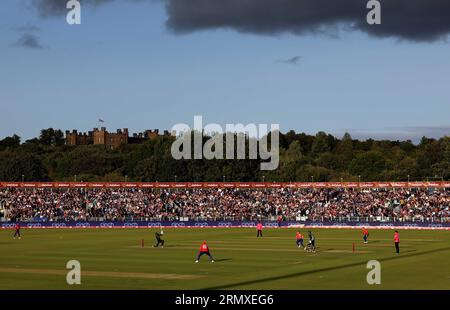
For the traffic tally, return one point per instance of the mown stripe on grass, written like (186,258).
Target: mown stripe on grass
(112,274)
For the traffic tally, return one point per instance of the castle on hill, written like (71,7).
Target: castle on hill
(112,140)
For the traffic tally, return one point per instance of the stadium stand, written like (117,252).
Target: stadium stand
(212,204)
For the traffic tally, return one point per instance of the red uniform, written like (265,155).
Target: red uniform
(299,239)
(17,232)
(397,242)
(204,250)
(365,234)
(396,237)
(259,228)
(204,247)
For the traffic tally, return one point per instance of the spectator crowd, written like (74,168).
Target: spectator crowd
(225,204)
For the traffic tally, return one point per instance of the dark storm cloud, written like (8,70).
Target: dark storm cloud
(28,40)
(48,8)
(417,20)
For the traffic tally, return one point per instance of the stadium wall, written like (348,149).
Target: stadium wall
(230,224)
(250,185)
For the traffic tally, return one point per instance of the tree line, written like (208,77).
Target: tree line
(321,157)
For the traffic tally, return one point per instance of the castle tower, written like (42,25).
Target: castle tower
(100,136)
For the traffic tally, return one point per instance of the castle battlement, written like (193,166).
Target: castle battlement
(100,136)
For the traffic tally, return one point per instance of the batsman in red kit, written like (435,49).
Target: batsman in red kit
(204,250)
(17,231)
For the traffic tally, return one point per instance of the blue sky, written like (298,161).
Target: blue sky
(123,65)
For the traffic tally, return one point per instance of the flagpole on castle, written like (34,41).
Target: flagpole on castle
(100,121)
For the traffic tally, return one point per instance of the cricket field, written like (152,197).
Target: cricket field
(116,259)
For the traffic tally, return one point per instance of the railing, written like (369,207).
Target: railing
(443,219)
(211,185)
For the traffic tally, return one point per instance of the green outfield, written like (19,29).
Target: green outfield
(114,259)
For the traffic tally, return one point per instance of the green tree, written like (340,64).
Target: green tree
(15,165)
(51,137)
(13,141)
(322,143)
(369,165)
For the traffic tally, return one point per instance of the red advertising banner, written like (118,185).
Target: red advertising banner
(252,185)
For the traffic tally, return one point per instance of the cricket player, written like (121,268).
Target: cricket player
(397,242)
(204,250)
(299,239)
(17,231)
(259,228)
(365,235)
(159,240)
(312,241)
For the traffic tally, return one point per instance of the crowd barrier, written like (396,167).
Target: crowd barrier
(253,185)
(230,224)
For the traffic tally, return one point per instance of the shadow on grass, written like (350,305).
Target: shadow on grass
(223,260)
(410,251)
(303,273)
